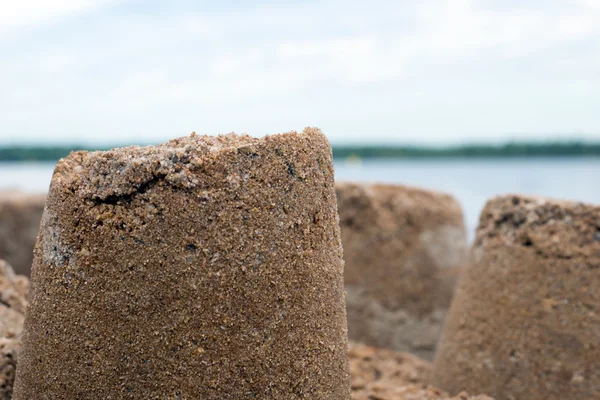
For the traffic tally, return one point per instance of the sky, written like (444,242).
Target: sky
(378,71)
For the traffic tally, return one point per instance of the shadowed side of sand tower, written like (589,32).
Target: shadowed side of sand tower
(20,215)
(205,268)
(13,293)
(404,248)
(525,321)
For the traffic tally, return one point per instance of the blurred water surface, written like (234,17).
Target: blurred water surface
(472,182)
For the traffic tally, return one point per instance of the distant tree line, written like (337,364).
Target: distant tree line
(33,153)
(556,149)
(36,153)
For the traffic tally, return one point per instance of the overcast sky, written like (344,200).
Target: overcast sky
(426,71)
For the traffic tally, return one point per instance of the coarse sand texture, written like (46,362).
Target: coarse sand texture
(404,248)
(204,268)
(525,321)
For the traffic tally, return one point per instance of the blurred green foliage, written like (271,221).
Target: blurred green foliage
(553,149)
(556,149)
(35,153)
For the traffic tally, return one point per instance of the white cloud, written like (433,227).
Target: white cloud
(22,14)
(431,69)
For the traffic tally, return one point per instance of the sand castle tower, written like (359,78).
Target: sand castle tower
(13,293)
(525,322)
(204,268)
(403,248)
(20,215)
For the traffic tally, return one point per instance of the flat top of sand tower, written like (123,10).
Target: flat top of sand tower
(400,199)
(391,188)
(531,210)
(555,228)
(122,171)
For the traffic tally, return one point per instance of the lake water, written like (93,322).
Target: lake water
(472,182)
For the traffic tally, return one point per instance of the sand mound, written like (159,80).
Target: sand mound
(381,374)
